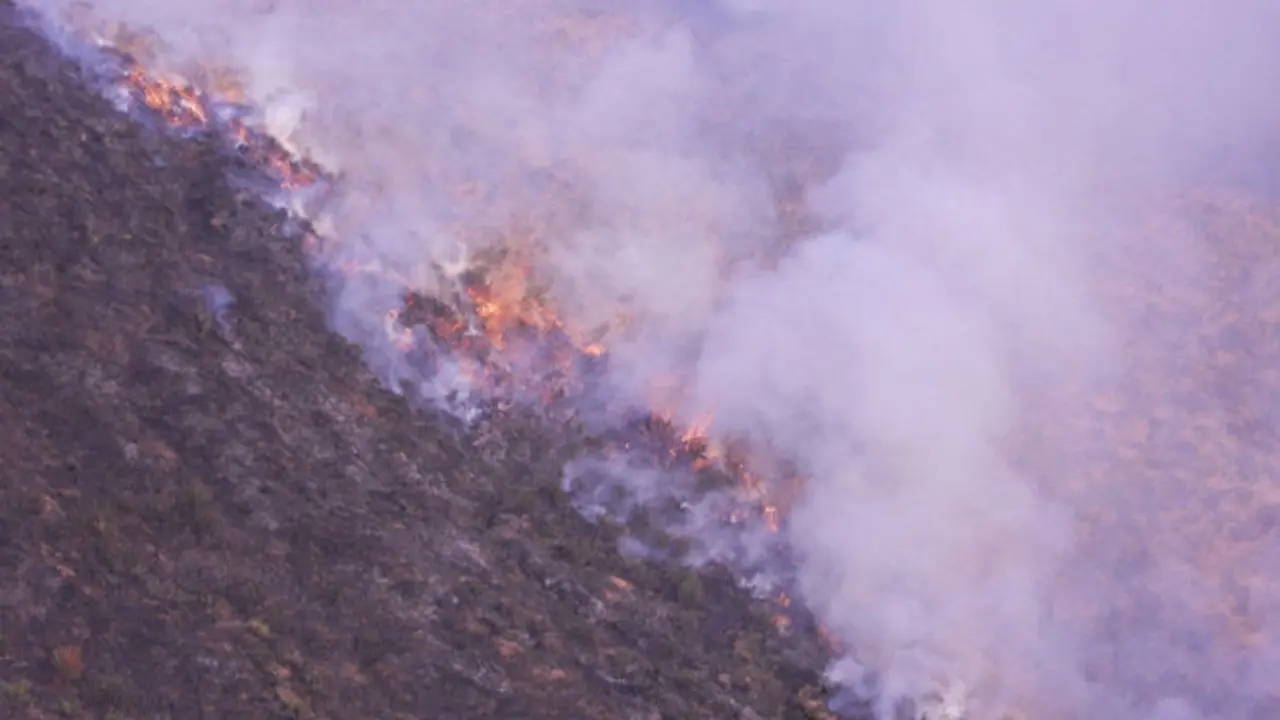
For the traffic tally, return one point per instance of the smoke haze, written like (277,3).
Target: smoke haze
(881,239)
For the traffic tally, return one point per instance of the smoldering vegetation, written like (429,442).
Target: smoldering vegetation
(878,242)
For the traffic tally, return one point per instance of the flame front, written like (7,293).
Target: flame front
(497,313)
(496,321)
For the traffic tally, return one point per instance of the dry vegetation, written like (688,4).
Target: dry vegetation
(196,523)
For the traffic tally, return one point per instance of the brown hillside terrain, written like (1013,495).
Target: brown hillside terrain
(203,524)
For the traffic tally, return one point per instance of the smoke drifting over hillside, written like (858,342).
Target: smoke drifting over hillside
(868,236)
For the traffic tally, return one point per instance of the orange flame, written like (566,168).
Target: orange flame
(178,103)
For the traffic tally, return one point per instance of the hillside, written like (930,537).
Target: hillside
(206,522)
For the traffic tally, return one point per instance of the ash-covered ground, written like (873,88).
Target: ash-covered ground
(209,521)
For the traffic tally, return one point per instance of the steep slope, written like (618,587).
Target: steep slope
(199,520)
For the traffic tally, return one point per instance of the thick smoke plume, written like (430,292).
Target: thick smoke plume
(865,236)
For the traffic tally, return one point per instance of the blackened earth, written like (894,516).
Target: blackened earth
(199,521)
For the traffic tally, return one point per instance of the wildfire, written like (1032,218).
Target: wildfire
(506,331)
(178,104)
(497,315)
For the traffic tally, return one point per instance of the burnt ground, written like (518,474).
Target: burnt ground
(194,528)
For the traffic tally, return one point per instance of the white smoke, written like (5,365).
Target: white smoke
(968,169)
